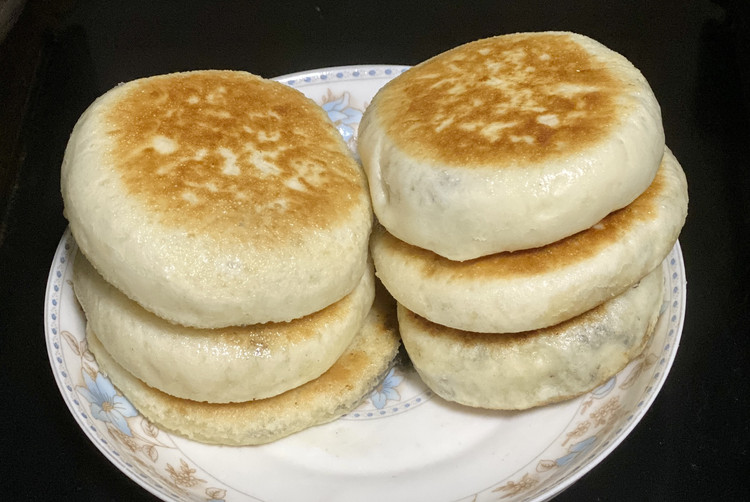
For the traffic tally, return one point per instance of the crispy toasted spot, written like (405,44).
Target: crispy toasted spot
(266,339)
(531,262)
(231,153)
(339,376)
(523,97)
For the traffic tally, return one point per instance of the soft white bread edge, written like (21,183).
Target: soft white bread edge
(523,302)
(520,371)
(227,365)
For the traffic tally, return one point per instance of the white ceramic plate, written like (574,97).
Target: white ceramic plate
(403,443)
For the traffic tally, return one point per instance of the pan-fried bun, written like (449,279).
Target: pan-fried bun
(225,364)
(508,143)
(523,370)
(217,198)
(336,392)
(535,288)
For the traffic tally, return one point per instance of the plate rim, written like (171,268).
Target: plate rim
(67,248)
(642,409)
(316,73)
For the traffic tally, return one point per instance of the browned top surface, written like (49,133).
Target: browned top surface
(231,153)
(531,262)
(521,97)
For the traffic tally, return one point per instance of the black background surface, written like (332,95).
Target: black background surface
(691,445)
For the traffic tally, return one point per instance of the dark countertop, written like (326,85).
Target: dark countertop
(691,445)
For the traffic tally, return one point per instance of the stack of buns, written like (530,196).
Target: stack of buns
(223,230)
(526,200)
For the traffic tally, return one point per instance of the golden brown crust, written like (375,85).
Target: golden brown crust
(504,100)
(231,153)
(532,262)
(334,393)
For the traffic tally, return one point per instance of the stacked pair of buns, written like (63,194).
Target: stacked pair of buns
(223,230)
(526,200)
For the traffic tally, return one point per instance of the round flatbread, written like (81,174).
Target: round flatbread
(535,288)
(336,392)
(219,365)
(217,198)
(523,370)
(508,143)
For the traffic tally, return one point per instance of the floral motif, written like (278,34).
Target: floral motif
(216,494)
(386,390)
(581,429)
(598,393)
(512,488)
(604,388)
(576,450)
(608,412)
(342,115)
(138,437)
(596,424)
(128,441)
(106,404)
(184,476)
(644,362)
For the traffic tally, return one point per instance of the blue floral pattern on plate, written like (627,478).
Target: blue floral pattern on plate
(386,390)
(346,118)
(106,404)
